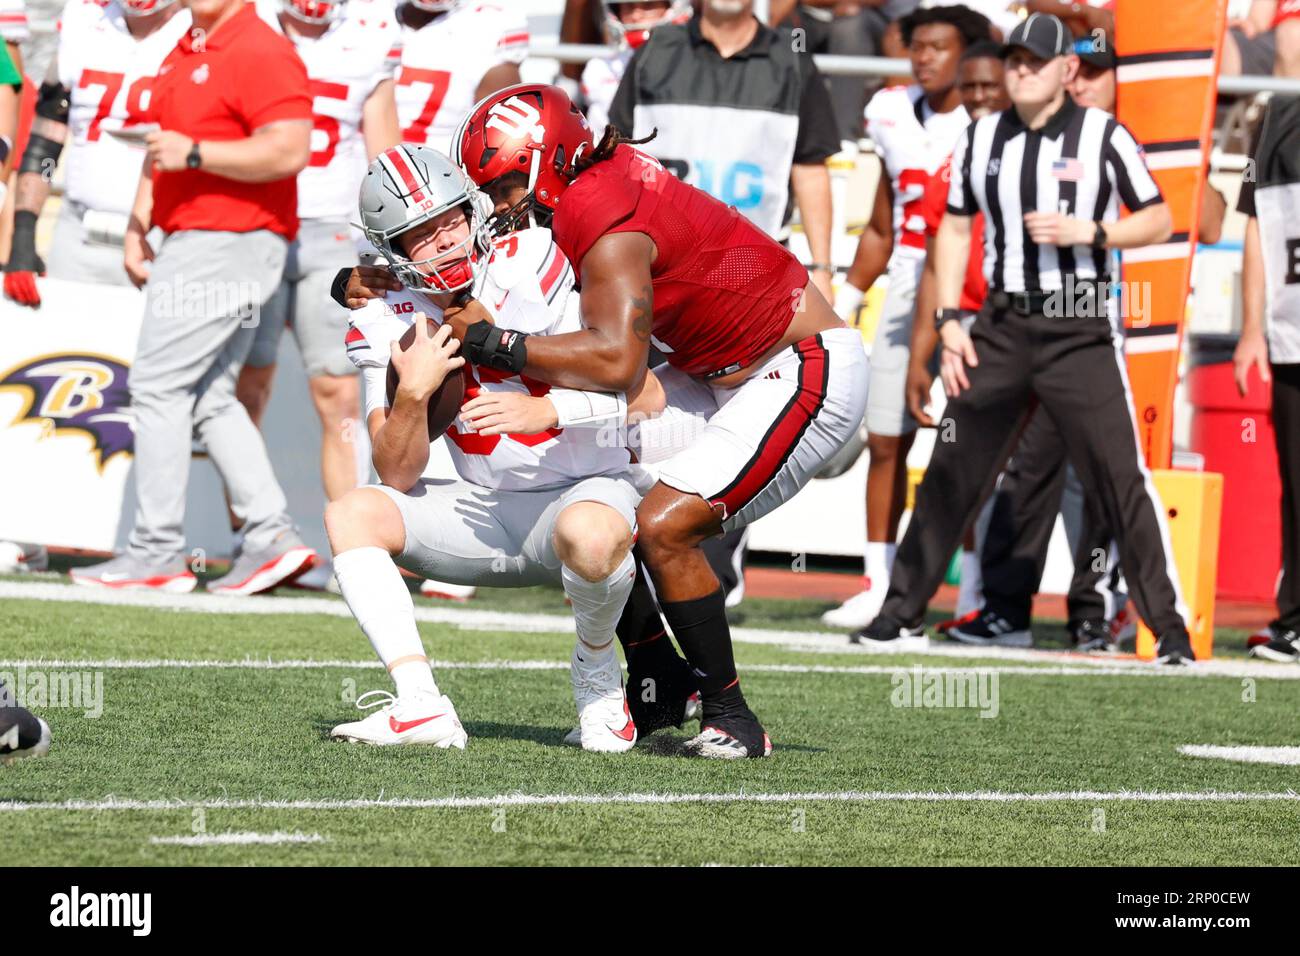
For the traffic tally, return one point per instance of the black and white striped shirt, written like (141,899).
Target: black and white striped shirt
(1082,162)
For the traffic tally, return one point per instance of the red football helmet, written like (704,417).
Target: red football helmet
(314,11)
(530,128)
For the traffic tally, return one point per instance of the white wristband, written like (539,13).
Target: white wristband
(578,409)
(847,300)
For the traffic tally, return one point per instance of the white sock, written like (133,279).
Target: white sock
(598,605)
(879,562)
(379,600)
(970,594)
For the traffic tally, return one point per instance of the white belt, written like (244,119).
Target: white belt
(104,228)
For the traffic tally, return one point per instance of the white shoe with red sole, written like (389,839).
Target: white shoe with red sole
(253,572)
(419,719)
(129,573)
(445,591)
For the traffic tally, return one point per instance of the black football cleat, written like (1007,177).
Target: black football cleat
(1092,634)
(1175,648)
(1283,647)
(22,733)
(991,629)
(666,699)
(886,634)
(731,737)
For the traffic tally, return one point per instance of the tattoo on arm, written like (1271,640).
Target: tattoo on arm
(643,324)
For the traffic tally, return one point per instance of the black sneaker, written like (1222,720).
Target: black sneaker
(1283,648)
(731,737)
(659,700)
(885,632)
(22,733)
(993,630)
(1175,648)
(1092,634)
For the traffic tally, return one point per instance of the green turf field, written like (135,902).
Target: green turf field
(188,754)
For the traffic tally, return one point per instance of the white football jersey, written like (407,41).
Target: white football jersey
(359,51)
(109,75)
(528,288)
(444,61)
(600,79)
(913,141)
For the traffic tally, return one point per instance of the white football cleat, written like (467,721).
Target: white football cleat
(445,591)
(419,719)
(605,723)
(861,609)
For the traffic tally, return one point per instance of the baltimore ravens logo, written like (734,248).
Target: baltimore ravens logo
(76,392)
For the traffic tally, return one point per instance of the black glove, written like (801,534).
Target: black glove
(502,349)
(22,250)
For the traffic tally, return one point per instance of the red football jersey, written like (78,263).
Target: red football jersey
(933,204)
(724,292)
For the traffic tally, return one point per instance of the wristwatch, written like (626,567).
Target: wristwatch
(1099,237)
(193,160)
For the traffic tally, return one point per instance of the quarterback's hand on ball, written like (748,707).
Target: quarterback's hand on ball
(425,365)
(168,150)
(463,313)
(369,282)
(514,413)
(958,355)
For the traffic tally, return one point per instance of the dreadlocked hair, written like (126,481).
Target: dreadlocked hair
(972,26)
(612,140)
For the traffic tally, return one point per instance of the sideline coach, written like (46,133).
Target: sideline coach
(1048,176)
(234,108)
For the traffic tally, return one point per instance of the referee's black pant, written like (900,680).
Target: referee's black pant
(1075,370)
(1021,520)
(1286,430)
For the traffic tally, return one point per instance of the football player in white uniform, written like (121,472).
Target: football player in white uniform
(915,129)
(97,83)
(544,494)
(454,53)
(351,50)
(627,26)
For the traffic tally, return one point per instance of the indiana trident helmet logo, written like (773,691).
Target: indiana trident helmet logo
(77,392)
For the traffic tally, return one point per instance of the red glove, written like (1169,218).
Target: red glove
(21,287)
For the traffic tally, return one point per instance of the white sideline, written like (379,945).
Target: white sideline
(163,663)
(1286,756)
(239,839)
(475,620)
(596,799)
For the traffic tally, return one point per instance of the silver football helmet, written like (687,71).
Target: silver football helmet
(314,11)
(435,6)
(406,186)
(624,36)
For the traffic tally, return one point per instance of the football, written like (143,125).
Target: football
(445,402)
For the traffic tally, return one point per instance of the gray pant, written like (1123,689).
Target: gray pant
(73,255)
(205,294)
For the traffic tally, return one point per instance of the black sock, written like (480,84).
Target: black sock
(700,626)
(640,630)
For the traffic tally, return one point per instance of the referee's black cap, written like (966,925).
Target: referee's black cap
(1042,35)
(1095,51)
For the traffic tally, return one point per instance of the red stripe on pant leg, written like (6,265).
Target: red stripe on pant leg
(781,439)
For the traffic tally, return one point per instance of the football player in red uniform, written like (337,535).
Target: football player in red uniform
(661,262)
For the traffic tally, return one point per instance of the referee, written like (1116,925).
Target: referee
(1049,177)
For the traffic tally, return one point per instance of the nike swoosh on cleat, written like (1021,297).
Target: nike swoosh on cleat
(629,729)
(402,726)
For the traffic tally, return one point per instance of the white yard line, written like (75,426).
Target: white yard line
(239,839)
(475,620)
(1286,756)
(542,665)
(111,804)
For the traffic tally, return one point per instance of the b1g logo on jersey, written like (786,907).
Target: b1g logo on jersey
(516,117)
(76,392)
(399,308)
